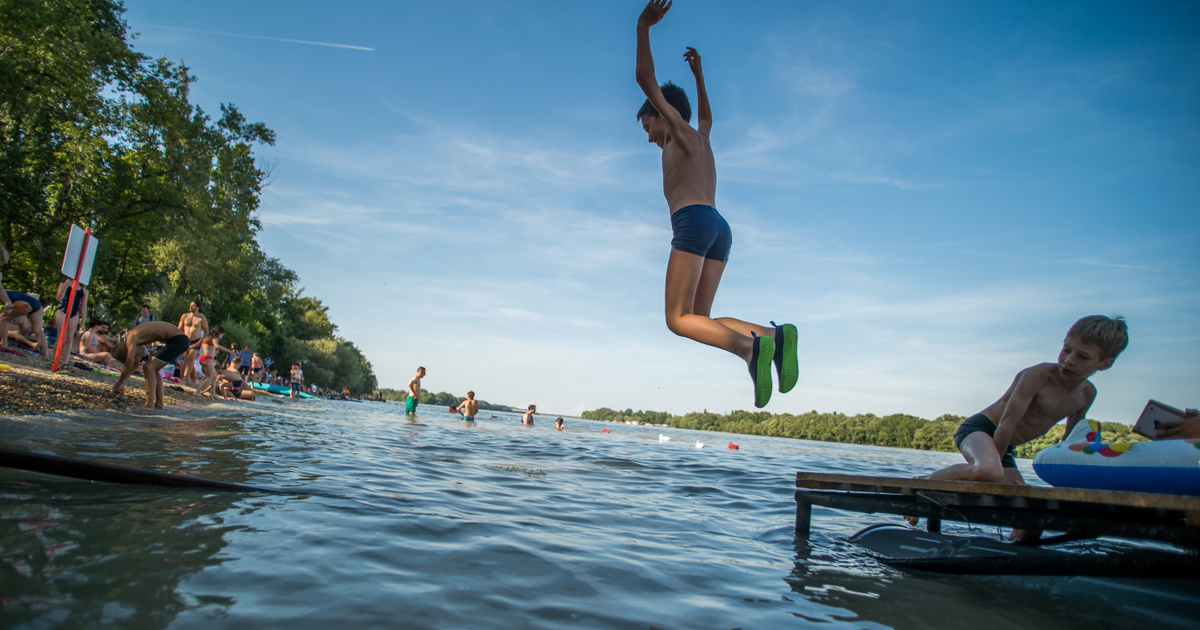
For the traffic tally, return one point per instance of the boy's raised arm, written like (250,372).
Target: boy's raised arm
(703,113)
(651,15)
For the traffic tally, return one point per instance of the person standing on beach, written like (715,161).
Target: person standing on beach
(208,361)
(132,348)
(414,393)
(257,368)
(195,326)
(702,238)
(68,328)
(469,407)
(144,317)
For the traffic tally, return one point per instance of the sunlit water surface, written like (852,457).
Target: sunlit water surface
(433,523)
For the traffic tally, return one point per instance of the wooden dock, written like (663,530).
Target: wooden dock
(1083,513)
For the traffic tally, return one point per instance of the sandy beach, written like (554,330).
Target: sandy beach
(29,387)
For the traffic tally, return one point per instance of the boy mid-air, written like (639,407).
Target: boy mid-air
(702,238)
(1038,398)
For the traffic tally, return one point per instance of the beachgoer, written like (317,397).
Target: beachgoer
(144,317)
(527,419)
(702,238)
(195,325)
(67,329)
(132,348)
(208,361)
(21,333)
(17,304)
(469,407)
(1039,397)
(245,359)
(1187,428)
(95,344)
(232,385)
(297,380)
(558,424)
(256,368)
(414,392)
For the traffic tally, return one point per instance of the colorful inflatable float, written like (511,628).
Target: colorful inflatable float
(1085,460)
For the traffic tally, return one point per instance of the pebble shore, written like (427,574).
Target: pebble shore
(29,387)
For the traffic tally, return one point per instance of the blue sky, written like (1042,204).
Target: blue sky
(933,192)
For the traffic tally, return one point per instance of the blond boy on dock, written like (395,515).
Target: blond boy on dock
(702,238)
(1039,397)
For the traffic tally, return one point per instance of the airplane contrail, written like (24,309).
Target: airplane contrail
(274,39)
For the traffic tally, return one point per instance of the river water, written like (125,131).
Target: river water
(432,523)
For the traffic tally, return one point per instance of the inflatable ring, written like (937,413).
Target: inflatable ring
(1085,460)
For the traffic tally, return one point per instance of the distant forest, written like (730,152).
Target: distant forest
(441,399)
(899,430)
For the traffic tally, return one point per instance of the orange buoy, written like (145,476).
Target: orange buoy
(606,430)
(733,446)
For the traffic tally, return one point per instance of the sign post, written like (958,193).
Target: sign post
(81,251)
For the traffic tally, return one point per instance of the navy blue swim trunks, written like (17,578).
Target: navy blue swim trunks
(701,230)
(980,422)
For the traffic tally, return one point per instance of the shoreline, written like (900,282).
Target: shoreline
(30,388)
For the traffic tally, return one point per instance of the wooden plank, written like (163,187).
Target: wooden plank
(900,485)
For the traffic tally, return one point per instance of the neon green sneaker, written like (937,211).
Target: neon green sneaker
(787,362)
(760,369)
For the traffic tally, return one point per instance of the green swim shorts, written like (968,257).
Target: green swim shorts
(410,405)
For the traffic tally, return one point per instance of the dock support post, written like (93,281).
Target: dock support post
(933,524)
(803,517)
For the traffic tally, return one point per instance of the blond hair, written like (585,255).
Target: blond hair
(1110,333)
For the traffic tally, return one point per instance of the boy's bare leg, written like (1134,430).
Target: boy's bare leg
(692,283)
(983,464)
(151,377)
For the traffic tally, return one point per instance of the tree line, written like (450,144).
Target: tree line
(96,134)
(897,430)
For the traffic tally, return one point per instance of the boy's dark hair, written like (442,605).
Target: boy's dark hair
(96,321)
(675,96)
(471,395)
(1110,333)
(146,306)
(120,352)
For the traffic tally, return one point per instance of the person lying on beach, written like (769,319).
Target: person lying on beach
(21,333)
(208,361)
(469,407)
(702,238)
(1039,397)
(414,393)
(133,349)
(17,305)
(195,326)
(68,328)
(95,344)
(527,419)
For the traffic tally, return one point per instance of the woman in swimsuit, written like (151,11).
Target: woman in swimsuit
(67,329)
(208,356)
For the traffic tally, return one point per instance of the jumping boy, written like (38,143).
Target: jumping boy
(133,349)
(702,238)
(414,393)
(1038,398)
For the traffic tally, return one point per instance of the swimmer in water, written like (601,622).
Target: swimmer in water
(469,407)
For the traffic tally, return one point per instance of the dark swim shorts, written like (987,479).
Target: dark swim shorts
(34,303)
(174,347)
(702,231)
(980,422)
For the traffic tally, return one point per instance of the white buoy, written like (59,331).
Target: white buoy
(664,438)
(699,444)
